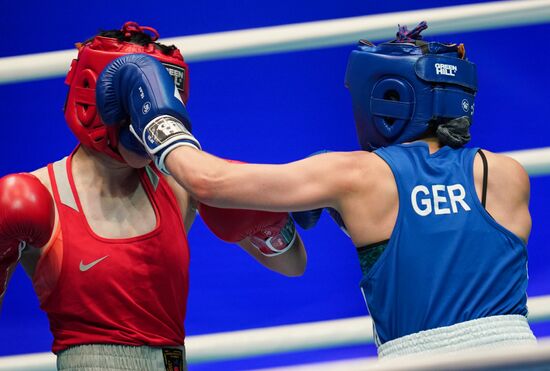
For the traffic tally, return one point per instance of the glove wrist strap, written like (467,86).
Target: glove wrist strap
(162,135)
(267,247)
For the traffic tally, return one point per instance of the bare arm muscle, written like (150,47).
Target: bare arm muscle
(314,182)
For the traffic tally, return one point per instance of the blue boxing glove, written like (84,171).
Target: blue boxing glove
(335,215)
(129,141)
(309,218)
(139,87)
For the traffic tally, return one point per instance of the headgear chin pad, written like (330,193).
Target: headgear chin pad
(398,87)
(93,56)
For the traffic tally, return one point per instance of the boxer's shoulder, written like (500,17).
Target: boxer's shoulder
(369,170)
(43,176)
(507,192)
(187,204)
(368,179)
(504,173)
(179,192)
(30,257)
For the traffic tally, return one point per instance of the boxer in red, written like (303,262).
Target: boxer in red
(103,233)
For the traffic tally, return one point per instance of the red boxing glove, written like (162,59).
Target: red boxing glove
(271,233)
(27,215)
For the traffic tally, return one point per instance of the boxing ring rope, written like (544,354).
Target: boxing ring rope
(272,340)
(535,161)
(304,36)
(507,358)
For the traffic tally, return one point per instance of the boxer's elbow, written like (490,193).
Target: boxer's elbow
(202,187)
(208,187)
(195,180)
(299,267)
(297,270)
(293,262)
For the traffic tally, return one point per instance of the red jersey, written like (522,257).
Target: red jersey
(130,291)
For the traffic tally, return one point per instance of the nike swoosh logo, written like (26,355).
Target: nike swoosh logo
(85,267)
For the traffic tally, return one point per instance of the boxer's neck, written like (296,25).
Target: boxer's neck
(433,144)
(97,169)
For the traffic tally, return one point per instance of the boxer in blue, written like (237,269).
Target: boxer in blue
(441,229)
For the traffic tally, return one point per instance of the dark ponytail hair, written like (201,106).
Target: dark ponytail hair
(453,133)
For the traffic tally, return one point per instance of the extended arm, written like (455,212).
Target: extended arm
(132,83)
(319,181)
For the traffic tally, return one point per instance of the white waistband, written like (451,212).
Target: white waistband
(483,332)
(101,357)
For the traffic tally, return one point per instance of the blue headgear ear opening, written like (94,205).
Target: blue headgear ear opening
(392,105)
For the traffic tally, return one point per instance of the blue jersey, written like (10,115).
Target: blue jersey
(447,260)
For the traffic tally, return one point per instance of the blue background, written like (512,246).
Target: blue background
(274,108)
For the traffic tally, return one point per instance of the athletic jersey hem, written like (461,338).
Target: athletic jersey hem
(487,331)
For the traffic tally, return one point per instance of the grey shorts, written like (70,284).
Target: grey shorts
(102,357)
(487,332)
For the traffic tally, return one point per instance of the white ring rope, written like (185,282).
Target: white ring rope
(315,335)
(535,161)
(269,340)
(525,357)
(303,36)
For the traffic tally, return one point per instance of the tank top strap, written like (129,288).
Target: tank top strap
(158,186)
(467,156)
(152,178)
(61,187)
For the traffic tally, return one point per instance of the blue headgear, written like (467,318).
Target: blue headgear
(398,87)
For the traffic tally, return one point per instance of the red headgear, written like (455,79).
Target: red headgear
(93,56)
